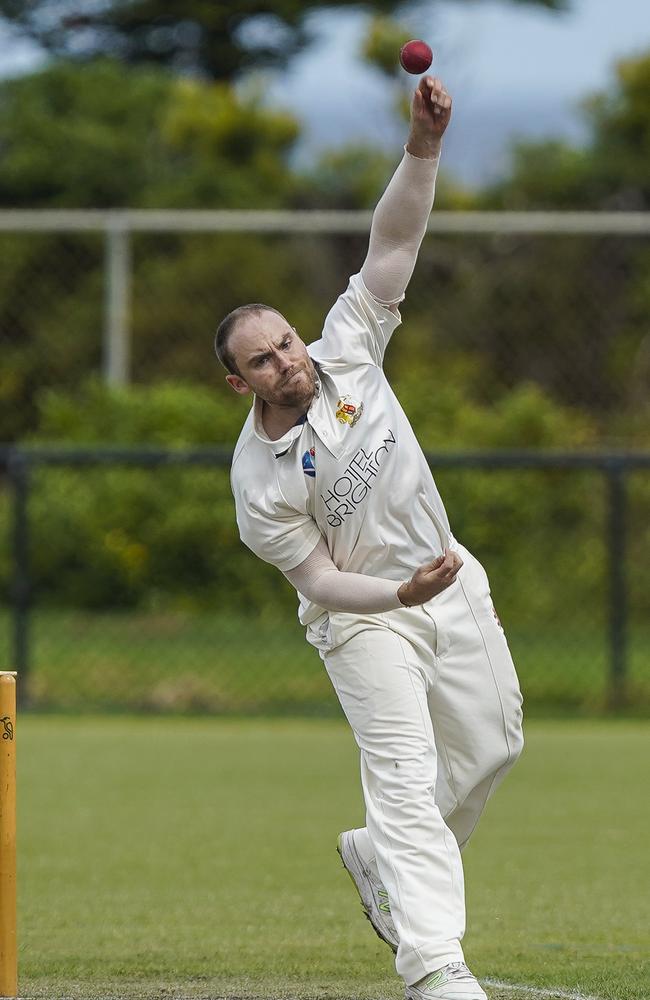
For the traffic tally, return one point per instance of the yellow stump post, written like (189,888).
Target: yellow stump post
(8,958)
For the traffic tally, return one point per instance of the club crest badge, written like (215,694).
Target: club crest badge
(309,463)
(348,410)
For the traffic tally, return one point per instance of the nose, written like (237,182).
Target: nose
(283,363)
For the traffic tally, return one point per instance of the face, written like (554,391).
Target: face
(272,360)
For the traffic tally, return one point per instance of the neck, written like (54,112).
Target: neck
(277,420)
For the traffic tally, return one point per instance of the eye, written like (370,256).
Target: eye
(286,342)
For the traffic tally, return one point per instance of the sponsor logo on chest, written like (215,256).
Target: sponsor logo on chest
(309,463)
(356,481)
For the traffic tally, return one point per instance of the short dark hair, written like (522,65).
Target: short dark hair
(226,327)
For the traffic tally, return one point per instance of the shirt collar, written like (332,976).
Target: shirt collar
(282,445)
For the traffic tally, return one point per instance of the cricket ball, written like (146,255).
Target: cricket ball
(415,56)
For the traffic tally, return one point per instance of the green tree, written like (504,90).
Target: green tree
(129,537)
(97,137)
(218,40)
(582,302)
(609,172)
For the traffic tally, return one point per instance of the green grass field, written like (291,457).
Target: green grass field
(169,858)
(220,663)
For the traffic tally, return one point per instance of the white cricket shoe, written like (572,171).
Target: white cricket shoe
(453,982)
(374,897)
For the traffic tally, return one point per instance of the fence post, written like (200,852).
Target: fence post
(117,318)
(617,695)
(18,471)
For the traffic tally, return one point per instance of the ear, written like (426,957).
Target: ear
(238,384)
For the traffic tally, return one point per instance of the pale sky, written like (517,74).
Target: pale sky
(511,69)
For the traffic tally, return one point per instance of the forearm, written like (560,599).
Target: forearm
(354,592)
(320,581)
(400,221)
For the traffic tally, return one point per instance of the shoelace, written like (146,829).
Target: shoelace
(456,969)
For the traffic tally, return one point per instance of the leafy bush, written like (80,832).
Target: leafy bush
(120,537)
(134,537)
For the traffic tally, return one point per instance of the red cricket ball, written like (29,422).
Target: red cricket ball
(415,56)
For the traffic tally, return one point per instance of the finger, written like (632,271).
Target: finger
(444,564)
(439,108)
(439,98)
(457,563)
(449,562)
(446,560)
(444,574)
(432,569)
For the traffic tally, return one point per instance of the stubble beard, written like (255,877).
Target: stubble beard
(298,392)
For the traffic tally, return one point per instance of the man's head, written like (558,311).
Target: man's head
(263,353)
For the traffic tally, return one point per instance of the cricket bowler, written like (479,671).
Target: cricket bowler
(331,486)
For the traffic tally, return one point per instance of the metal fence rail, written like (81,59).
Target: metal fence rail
(119,227)
(19,464)
(124,582)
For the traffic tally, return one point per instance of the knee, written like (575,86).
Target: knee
(506,751)
(515,744)
(514,728)
(511,744)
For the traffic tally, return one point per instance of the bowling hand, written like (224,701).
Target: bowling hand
(430,115)
(430,579)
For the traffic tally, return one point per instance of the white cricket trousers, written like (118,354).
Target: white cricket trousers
(433,700)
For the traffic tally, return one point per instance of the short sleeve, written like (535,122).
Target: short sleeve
(273,530)
(357,328)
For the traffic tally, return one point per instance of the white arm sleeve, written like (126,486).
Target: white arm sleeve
(399,223)
(320,581)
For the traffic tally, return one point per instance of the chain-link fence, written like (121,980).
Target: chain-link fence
(218,631)
(125,585)
(561,301)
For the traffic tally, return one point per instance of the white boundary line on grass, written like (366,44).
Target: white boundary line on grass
(539,991)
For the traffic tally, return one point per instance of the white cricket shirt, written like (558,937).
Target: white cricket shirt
(352,472)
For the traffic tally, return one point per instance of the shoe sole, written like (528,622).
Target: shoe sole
(366,909)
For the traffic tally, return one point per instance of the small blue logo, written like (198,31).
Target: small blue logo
(309,463)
